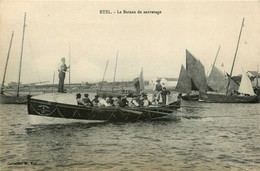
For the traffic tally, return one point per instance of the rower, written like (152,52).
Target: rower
(110,101)
(103,101)
(86,100)
(124,102)
(135,102)
(95,101)
(145,101)
(179,99)
(79,101)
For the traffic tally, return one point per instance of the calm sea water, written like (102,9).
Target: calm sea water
(215,137)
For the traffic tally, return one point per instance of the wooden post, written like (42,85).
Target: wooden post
(53,81)
(235,55)
(115,72)
(69,66)
(6,64)
(257,76)
(21,57)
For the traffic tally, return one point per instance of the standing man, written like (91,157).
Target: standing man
(164,94)
(62,68)
(157,89)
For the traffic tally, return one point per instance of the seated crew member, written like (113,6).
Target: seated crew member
(79,101)
(118,102)
(103,101)
(135,102)
(146,102)
(124,102)
(95,101)
(179,99)
(164,94)
(86,100)
(110,101)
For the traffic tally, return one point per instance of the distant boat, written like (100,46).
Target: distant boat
(247,94)
(138,84)
(218,84)
(6,98)
(192,79)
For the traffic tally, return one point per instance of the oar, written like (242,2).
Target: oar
(130,111)
(195,106)
(185,106)
(162,113)
(165,109)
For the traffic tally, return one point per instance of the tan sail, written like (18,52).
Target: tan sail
(184,81)
(217,80)
(197,72)
(246,85)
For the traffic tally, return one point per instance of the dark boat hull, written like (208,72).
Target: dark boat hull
(190,97)
(221,98)
(46,109)
(5,99)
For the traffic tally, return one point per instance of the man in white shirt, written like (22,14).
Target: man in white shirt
(62,68)
(103,102)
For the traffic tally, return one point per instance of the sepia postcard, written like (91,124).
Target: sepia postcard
(129,85)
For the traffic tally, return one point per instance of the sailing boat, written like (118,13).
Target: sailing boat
(9,98)
(113,93)
(139,83)
(192,79)
(245,88)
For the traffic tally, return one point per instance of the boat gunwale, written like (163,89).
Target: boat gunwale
(109,109)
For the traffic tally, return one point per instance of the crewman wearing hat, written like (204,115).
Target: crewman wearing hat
(110,101)
(164,93)
(157,89)
(86,100)
(146,102)
(95,101)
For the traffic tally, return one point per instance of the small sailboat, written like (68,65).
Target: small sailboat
(6,98)
(245,91)
(192,79)
(113,92)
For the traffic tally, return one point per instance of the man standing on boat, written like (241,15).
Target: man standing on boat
(62,68)
(157,89)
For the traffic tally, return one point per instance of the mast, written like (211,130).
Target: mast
(53,78)
(6,64)
(115,73)
(257,77)
(104,75)
(235,55)
(69,66)
(20,67)
(213,66)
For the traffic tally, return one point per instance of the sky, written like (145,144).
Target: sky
(154,42)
